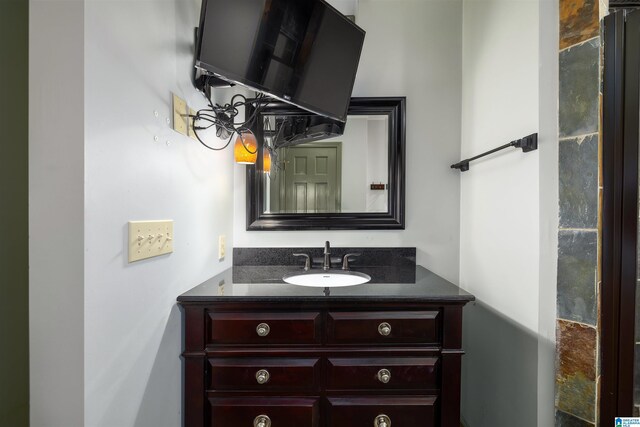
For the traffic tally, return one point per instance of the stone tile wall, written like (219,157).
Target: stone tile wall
(577,369)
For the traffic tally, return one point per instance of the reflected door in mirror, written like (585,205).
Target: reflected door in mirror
(307,179)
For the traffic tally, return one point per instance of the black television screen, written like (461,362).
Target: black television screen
(300,51)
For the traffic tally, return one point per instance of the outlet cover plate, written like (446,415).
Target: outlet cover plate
(180,115)
(222,247)
(148,239)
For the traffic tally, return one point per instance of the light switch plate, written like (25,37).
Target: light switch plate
(180,115)
(148,239)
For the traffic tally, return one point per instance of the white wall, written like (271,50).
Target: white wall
(137,53)
(412,48)
(377,158)
(500,212)
(354,170)
(56,212)
(364,161)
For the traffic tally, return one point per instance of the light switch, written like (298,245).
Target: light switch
(148,239)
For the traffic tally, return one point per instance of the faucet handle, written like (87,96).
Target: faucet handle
(307,263)
(345,260)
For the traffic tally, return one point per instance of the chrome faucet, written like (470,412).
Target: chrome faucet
(327,256)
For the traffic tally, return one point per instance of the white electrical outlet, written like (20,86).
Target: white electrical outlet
(222,246)
(148,239)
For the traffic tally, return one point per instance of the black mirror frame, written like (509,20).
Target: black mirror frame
(393,219)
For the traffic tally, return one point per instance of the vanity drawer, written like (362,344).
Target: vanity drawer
(382,327)
(372,411)
(263,328)
(264,374)
(396,373)
(246,412)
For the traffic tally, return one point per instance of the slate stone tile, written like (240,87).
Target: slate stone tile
(579,21)
(576,369)
(579,89)
(577,263)
(566,420)
(577,349)
(579,182)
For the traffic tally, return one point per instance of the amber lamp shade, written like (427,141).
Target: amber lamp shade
(248,155)
(266,161)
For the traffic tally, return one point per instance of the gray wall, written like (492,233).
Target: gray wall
(14,282)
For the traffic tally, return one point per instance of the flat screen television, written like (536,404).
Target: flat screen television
(303,52)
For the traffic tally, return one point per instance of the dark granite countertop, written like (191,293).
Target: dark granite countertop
(264,283)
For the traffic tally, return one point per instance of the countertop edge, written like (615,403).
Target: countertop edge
(463,299)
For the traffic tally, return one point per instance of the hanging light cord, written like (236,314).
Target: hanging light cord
(223,118)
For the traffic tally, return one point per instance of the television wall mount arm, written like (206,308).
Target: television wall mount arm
(528,143)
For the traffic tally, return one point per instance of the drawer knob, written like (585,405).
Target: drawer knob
(262,376)
(384,376)
(262,421)
(382,420)
(384,329)
(263,329)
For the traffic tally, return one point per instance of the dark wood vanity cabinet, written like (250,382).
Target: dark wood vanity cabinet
(322,364)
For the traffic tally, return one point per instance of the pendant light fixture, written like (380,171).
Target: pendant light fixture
(246,148)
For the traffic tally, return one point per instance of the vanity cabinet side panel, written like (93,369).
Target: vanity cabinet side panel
(194,365)
(194,328)
(452,327)
(194,396)
(451,365)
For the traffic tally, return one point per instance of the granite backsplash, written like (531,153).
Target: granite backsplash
(370,257)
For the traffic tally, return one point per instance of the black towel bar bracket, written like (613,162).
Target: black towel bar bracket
(528,143)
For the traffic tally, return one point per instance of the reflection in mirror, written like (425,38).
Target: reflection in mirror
(349,173)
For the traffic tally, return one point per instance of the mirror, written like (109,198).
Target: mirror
(351,181)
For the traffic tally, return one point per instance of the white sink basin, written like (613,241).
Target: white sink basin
(327,279)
